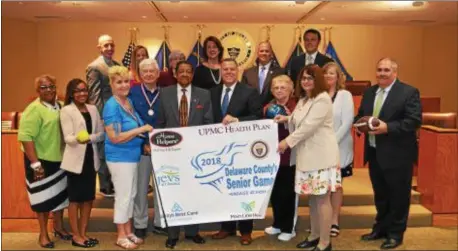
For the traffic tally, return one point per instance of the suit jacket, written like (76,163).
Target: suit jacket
(244,103)
(343,110)
(72,122)
(401,111)
(251,78)
(312,138)
(299,62)
(98,82)
(200,112)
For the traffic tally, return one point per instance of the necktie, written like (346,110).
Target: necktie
(183,109)
(376,111)
(261,78)
(309,60)
(225,103)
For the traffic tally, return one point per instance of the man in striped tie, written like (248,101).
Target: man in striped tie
(184,105)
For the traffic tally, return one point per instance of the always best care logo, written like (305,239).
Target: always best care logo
(166,139)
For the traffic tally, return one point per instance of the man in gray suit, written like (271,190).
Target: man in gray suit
(184,105)
(99,92)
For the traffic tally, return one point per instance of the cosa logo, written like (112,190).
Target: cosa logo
(168,176)
(166,139)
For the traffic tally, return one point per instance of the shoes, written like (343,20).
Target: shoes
(390,243)
(150,189)
(160,231)
(328,248)
(286,236)
(246,239)
(107,192)
(65,237)
(133,238)
(94,241)
(196,239)
(372,236)
(47,245)
(171,243)
(272,231)
(222,235)
(126,243)
(308,244)
(335,230)
(86,244)
(140,232)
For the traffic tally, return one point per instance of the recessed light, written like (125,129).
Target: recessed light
(343,6)
(401,3)
(234,17)
(144,17)
(322,18)
(21,3)
(418,3)
(185,17)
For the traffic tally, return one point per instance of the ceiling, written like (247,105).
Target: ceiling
(316,12)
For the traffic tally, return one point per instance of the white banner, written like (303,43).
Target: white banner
(215,173)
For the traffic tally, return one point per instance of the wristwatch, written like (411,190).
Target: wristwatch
(35,165)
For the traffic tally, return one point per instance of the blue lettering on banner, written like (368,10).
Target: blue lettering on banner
(168,176)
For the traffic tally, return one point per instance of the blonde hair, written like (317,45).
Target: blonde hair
(117,71)
(284,79)
(39,80)
(341,78)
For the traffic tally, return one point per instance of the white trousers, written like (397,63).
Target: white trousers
(124,178)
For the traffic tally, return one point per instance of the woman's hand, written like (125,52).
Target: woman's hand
(281,119)
(282,146)
(38,173)
(83,141)
(146,128)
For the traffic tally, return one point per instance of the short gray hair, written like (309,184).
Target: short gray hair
(394,64)
(176,54)
(147,62)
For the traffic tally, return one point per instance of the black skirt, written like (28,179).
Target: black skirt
(347,171)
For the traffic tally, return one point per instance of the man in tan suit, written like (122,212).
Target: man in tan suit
(260,76)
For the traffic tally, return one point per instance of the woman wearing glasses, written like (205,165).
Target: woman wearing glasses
(39,133)
(82,128)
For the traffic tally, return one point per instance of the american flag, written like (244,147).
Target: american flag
(128,55)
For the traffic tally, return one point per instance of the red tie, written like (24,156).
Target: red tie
(183,109)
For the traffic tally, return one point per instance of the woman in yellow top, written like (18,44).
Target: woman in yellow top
(40,135)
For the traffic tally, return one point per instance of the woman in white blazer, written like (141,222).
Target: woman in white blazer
(315,152)
(80,158)
(343,120)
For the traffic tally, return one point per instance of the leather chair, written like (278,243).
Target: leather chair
(440,119)
(357,88)
(9,120)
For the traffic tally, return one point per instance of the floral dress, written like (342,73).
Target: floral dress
(318,182)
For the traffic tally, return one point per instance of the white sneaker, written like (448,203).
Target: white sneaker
(272,231)
(286,236)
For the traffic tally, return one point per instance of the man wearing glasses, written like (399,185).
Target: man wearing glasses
(99,92)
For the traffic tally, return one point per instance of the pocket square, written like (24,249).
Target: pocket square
(199,107)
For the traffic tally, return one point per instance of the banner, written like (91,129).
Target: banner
(215,173)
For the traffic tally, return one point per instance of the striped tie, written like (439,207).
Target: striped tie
(183,109)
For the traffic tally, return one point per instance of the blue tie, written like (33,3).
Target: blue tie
(225,103)
(261,78)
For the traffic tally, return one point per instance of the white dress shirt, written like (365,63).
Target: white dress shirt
(232,87)
(313,56)
(188,95)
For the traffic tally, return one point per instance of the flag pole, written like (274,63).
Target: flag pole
(166,38)
(199,38)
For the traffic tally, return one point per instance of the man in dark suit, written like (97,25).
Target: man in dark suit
(234,102)
(312,39)
(260,76)
(99,92)
(390,150)
(184,105)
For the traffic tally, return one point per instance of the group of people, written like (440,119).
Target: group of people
(102,127)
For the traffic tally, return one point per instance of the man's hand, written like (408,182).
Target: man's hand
(381,129)
(147,149)
(229,119)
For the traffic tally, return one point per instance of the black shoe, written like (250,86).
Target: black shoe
(86,244)
(107,192)
(390,243)
(160,231)
(93,241)
(47,245)
(140,232)
(65,237)
(372,236)
(328,248)
(171,243)
(150,189)
(196,239)
(308,244)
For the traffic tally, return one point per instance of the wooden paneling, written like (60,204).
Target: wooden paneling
(15,201)
(445,220)
(438,169)
(24,225)
(430,104)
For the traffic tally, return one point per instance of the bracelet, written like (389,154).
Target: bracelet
(35,165)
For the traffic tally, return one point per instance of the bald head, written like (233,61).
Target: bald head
(106,46)
(264,53)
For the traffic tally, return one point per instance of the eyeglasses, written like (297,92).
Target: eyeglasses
(44,87)
(80,90)
(310,78)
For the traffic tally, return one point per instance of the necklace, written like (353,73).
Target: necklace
(213,76)
(150,103)
(127,109)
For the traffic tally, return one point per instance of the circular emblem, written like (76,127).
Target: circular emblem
(237,45)
(259,149)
